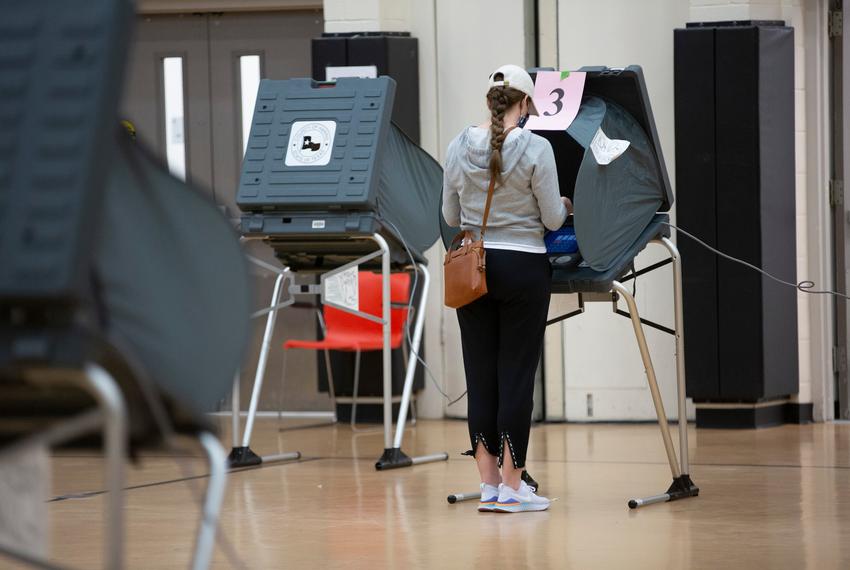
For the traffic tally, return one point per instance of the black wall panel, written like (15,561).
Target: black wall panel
(738,205)
(395,54)
(696,203)
(327,51)
(735,189)
(778,210)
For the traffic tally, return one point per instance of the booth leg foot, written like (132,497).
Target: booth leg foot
(243,457)
(535,486)
(394,458)
(682,488)
(460,497)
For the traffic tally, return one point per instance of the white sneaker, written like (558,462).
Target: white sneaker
(489,496)
(523,500)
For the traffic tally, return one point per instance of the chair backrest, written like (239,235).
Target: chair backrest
(369,286)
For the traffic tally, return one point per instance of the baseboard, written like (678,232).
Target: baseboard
(800,413)
(366,413)
(753,416)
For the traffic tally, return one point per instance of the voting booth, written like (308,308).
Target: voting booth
(332,186)
(609,159)
(111,319)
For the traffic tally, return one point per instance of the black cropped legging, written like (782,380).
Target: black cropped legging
(502,337)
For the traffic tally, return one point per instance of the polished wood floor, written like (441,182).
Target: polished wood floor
(773,498)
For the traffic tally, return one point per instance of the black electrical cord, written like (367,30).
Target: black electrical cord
(407,328)
(805,286)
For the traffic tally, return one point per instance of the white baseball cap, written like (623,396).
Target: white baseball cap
(518,78)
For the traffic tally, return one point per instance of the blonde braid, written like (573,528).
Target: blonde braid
(499,100)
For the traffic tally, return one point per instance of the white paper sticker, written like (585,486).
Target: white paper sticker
(318,224)
(310,143)
(332,73)
(605,150)
(342,289)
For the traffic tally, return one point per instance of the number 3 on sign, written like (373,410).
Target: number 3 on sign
(557,96)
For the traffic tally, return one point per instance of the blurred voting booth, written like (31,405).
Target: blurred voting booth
(111,314)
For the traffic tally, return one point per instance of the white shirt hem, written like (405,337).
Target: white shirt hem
(514,247)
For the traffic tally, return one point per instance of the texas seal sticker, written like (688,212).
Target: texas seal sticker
(310,143)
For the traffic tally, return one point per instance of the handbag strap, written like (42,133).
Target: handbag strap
(490,194)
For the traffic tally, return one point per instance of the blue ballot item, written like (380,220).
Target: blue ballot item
(563,240)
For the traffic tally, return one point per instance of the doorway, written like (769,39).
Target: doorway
(191,84)
(189,92)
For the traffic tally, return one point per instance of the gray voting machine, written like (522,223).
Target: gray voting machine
(330,184)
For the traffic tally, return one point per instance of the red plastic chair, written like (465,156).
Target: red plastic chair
(351,333)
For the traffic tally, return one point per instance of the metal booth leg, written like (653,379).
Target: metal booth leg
(235,409)
(217,460)
(243,456)
(682,486)
(331,387)
(680,354)
(105,390)
(356,389)
(394,457)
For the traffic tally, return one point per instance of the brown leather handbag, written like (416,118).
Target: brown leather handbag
(465,267)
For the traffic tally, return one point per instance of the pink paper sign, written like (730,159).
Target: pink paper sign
(557,96)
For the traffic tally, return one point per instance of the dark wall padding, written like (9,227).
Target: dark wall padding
(394,54)
(696,203)
(754,206)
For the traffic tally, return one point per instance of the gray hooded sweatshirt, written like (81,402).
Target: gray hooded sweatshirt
(526,200)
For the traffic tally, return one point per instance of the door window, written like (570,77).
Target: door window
(173,104)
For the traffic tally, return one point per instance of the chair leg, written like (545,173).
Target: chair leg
(356,389)
(405,353)
(282,386)
(217,459)
(650,376)
(331,389)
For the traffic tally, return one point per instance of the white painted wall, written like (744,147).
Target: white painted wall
(468,49)
(641,32)
(367,15)
(601,357)
(818,265)
(457,50)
